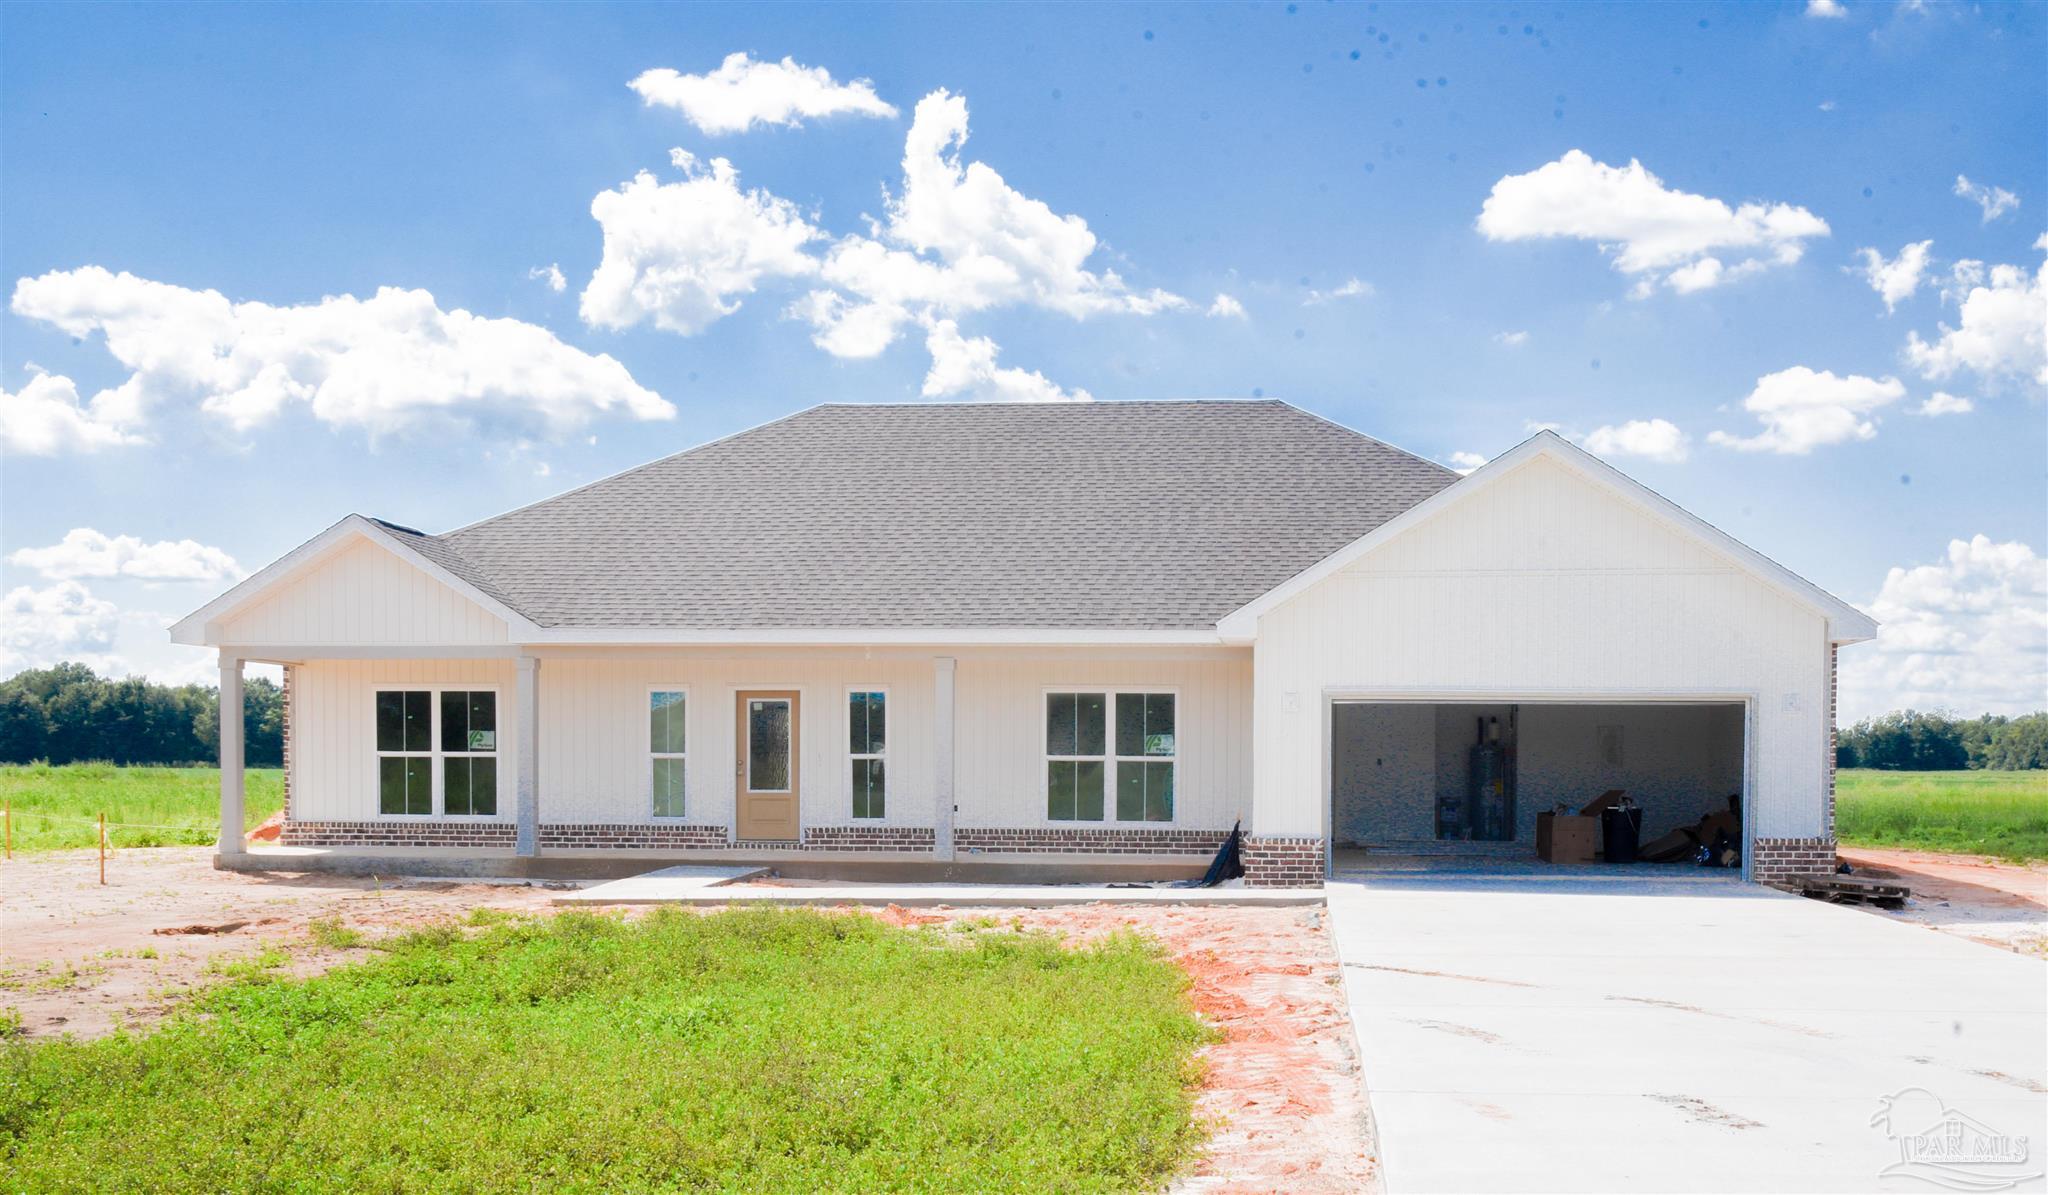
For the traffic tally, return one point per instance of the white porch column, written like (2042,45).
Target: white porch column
(942,757)
(526,760)
(231,754)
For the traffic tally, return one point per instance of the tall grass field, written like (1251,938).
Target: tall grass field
(55,807)
(1977,813)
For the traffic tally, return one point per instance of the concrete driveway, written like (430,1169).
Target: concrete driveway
(1519,1034)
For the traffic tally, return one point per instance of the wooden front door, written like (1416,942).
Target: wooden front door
(765,777)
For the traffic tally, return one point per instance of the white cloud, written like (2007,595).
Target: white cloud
(683,253)
(1225,307)
(550,274)
(1969,633)
(745,91)
(46,418)
(1827,105)
(1942,403)
(85,552)
(1652,232)
(964,366)
(1652,439)
(1995,201)
(1353,288)
(1513,340)
(41,627)
(1802,409)
(1465,462)
(1897,279)
(2001,330)
(1826,8)
(383,364)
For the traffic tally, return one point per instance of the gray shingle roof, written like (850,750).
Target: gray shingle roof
(1099,515)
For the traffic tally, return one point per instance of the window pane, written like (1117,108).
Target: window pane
(865,716)
(1130,790)
(768,746)
(483,786)
(668,788)
(454,785)
(878,726)
(454,721)
(1059,791)
(419,717)
(390,720)
(1158,724)
(665,721)
(1130,724)
(483,721)
(868,788)
(1158,792)
(419,781)
(390,785)
(1059,724)
(1088,791)
(1091,712)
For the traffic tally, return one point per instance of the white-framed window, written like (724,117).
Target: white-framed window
(437,750)
(867,723)
(668,708)
(1110,755)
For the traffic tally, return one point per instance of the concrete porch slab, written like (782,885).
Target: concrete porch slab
(655,888)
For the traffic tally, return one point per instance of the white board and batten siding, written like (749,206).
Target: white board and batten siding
(334,729)
(1543,585)
(363,595)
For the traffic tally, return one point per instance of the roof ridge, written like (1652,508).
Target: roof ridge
(1392,447)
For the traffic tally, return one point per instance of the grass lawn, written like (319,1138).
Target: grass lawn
(756,1049)
(55,806)
(1976,812)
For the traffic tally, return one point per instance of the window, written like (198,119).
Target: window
(464,744)
(666,715)
(1081,765)
(867,718)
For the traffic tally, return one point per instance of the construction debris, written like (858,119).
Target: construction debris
(1842,890)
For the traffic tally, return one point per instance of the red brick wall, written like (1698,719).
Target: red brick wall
(671,836)
(399,833)
(1283,862)
(1083,841)
(870,838)
(287,728)
(1781,858)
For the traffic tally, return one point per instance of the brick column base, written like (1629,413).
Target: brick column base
(1782,858)
(1283,862)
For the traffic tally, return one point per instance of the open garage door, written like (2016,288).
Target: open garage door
(1469,781)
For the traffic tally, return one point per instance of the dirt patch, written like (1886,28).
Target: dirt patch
(1987,900)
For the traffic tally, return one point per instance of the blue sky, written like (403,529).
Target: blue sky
(1428,216)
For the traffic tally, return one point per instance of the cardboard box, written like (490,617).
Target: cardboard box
(1565,838)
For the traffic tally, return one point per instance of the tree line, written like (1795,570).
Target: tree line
(69,714)
(1911,741)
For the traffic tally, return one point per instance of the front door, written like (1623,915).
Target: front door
(765,776)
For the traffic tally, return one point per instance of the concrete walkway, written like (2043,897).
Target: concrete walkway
(1639,1035)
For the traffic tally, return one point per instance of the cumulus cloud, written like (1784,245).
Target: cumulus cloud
(550,274)
(965,366)
(1465,462)
(382,364)
(745,91)
(1654,233)
(1225,307)
(1352,288)
(1513,340)
(41,627)
(2001,330)
(1967,633)
(683,253)
(1941,403)
(1803,409)
(46,418)
(85,552)
(1897,279)
(1993,201)
(1830,9)
(1651,439)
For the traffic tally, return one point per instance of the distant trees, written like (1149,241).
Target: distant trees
(1911,741)
(68,713)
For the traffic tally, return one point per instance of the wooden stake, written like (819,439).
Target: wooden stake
(7,815)
(103,848)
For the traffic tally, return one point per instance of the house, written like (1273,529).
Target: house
(1054,633)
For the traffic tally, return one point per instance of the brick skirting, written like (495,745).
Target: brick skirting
(1048,841)
(672,836)
(1782,858)
(399,833)
(870,838)
(1283,862)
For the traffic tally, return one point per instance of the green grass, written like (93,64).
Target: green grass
(55,806)
(755,1049)
(1977,812)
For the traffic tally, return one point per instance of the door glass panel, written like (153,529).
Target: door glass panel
(768,746)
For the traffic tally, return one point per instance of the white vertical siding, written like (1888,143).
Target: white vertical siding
(334,729)
(1542,584)
(364,595)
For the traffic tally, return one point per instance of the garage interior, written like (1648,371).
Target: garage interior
(1469,782)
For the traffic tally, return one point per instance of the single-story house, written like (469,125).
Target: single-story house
(1042,633)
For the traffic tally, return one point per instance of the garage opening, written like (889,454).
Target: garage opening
(1470,781)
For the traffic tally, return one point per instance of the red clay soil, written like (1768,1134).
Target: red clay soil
(1988,900)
